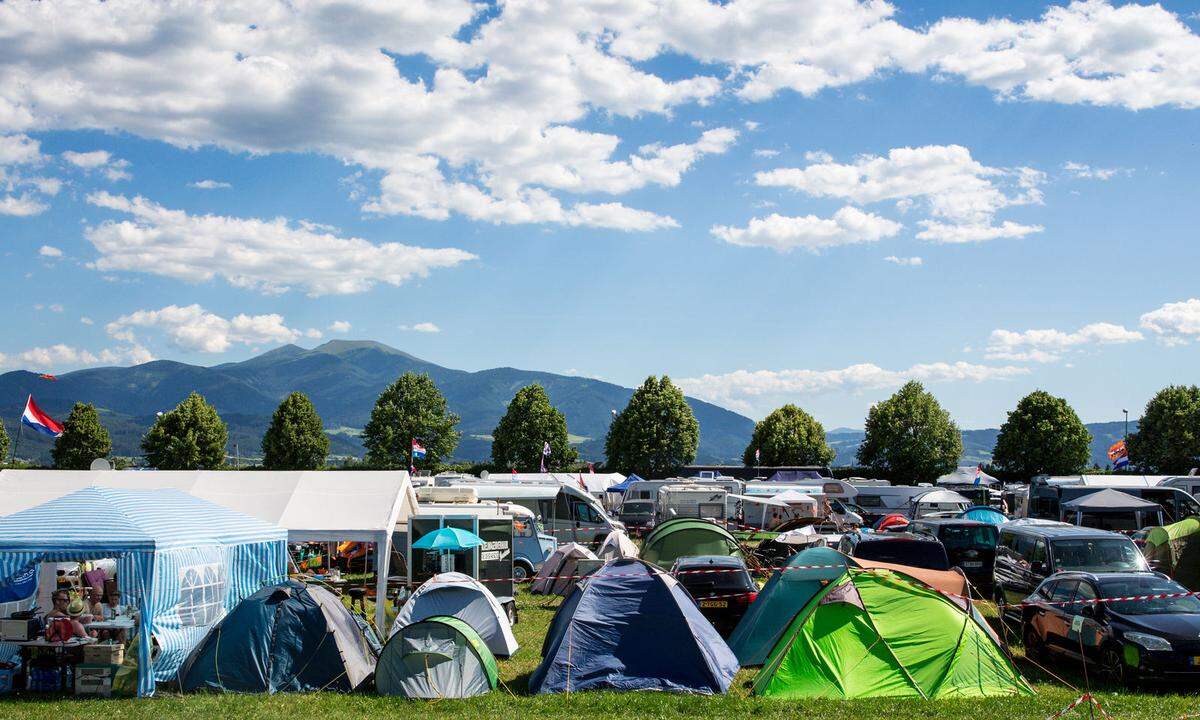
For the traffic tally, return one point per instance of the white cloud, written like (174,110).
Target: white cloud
(59,357)
(114,169)
(339,326)
(19,149)
(847,226)
(55,307)
(905,261)
(21,206)
(766,153)
(194,329)
(50,251)
(960,194)
(1174,323)
(271,256)
(87,320)
(744,389)
(1045,346)
(209,185)
(313,334)
(422,327)
(1087,172)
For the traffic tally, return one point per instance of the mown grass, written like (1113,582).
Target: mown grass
(510,702)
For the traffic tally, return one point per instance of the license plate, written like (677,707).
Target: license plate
(973,564)
(714,603)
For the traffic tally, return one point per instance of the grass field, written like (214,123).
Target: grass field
(510,702)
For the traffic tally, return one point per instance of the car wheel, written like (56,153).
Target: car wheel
(1035,649)
(520,573)
(1112,665)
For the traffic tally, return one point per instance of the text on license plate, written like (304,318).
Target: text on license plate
(973,564)
(714,603)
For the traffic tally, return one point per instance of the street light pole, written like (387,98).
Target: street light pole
(1126,424)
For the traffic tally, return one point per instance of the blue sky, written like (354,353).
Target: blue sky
(480,203)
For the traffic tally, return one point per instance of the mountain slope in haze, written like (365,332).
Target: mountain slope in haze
(342,378)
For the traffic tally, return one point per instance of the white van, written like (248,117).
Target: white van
(692,500)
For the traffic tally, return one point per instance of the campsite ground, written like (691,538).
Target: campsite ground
(508,703)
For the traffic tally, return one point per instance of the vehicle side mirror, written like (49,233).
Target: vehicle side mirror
(1037,567)
(1090,611)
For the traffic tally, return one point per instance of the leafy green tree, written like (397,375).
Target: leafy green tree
(788,436)
(1167,440)
(190,437)
(910,438)
(528,424)
(84,438)
(655,434)
(296,438)
(1042,435)
(3,443)
(410,408)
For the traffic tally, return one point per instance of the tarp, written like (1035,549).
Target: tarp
(559,574)
(313,506)
(880,633)
(1175,550)
(622,486)
(968,475)
(287,637)
(630,626)
(988,515)
(617,545)
(461,596)
(684,537)
(1109,500)
(796,476)
(183,562)
(438,657)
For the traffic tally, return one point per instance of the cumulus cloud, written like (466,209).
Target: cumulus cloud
(112,168)
(59,357)
(742,389)
(271,256)
(1087,172)
(848,226)
(960,194)
(209,185)
(422,327)
(195,329)
(339,326)
(1050,345)
(1174,323)
(22,194)
(904,261)
(49,251)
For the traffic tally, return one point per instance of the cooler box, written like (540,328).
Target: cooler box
(20,630)
(94,679)
(7,677)
(104,654)
(44,679)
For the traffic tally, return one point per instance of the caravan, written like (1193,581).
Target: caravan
(1047,494)
(567,512)
(692,500)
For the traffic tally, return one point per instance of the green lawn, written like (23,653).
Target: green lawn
(508,703)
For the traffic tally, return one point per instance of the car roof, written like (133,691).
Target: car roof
(947,521)
(1101,576)
(1058,531)
(915,537)
(722,560)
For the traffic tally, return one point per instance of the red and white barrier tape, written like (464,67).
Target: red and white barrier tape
(1085,698)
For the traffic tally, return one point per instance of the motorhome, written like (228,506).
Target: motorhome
(937,503)
(568,513)
(648,489)
(879,500)
(695,500)
(1047,493)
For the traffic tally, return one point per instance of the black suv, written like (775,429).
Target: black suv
(970,545)
(900,548)
(1129,640)
(1031,551)
(721,586)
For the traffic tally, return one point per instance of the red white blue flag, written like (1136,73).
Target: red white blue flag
(38,420)
(418,450)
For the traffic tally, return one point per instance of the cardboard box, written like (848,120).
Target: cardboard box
(104,654)
(93,685)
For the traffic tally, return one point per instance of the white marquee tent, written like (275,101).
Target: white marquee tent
(313,506)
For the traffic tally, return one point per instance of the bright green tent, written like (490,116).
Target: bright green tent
(687,537)
(879,633)
(1175,550)
(785,592)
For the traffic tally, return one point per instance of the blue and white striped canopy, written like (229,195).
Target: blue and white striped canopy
(182,561)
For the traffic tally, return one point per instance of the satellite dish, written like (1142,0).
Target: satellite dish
(101,464)
(484,475)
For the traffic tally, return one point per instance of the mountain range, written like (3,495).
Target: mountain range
(343,378)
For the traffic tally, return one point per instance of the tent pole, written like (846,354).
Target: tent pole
(383,561)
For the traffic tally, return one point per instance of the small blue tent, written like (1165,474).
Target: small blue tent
(622,486)
(287,637)
(181,561)
(630,626)
(984,514)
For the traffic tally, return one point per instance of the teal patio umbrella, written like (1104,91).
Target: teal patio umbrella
(448,539)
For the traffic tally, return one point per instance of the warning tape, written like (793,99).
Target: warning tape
(1086,698)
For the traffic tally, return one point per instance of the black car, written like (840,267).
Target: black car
(1128,640)
(1029,551)
(721,586)
(970,545)
(900,548)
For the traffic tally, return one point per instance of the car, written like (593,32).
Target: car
(1129,641)
(637,515)
(970,546)
(720,585)
(900,548)
(1030,551)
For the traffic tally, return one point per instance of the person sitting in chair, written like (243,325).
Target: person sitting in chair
(63,622)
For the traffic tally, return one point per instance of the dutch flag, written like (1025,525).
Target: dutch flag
(40,421)
(418,450)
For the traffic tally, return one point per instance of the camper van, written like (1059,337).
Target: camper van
(692,500)
(880,500)
(568,513)
(1047,494)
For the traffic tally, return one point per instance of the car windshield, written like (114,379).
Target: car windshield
(969,537)
(915,553)
(1151,585)
(722,580)
(637,507)
(1097,555)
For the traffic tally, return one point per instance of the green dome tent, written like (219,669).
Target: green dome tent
(881,633)
(438,657)
(1175,550)
(685,537)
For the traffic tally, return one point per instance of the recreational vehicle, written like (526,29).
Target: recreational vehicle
(568,513)
(1047,494)
(695,500)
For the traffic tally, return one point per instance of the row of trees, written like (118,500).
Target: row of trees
(909,437)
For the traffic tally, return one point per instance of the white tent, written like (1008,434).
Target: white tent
(463,597)
(617,545)
(969,475)
(595,483)
(313,506)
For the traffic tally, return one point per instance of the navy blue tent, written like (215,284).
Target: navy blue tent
(285,637)
(630,626)
(622,486)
